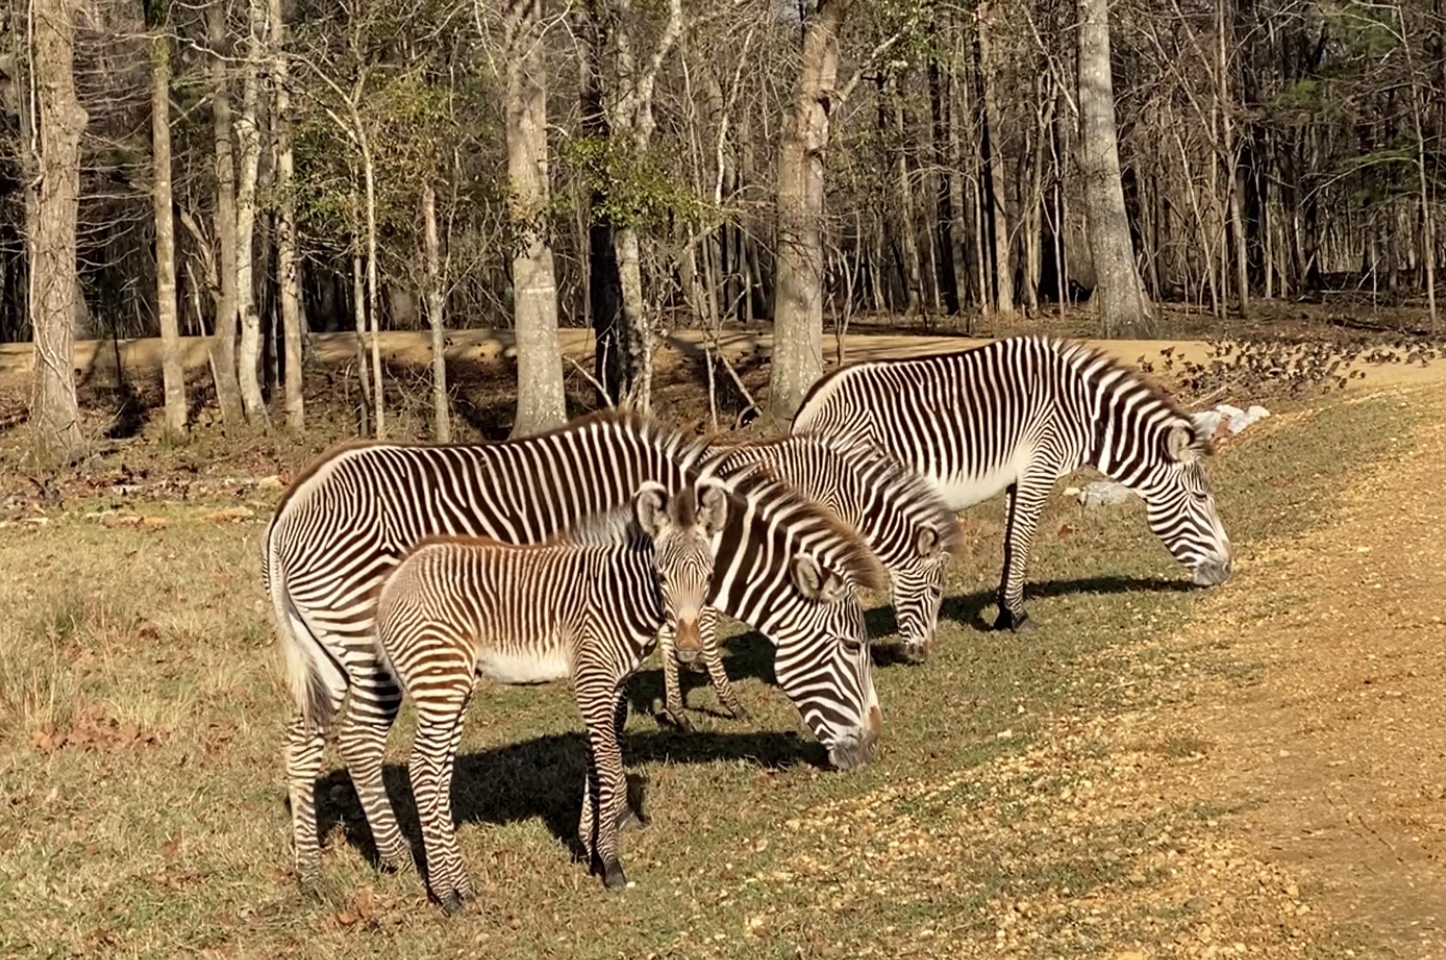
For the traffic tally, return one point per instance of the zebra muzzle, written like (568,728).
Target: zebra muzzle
(688,645)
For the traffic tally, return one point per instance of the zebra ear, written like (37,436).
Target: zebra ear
(814,582)
(712,506)
(1177,444)
(927,543)
(650,506)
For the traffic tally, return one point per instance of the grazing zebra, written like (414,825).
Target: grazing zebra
(785,565)
(1017,414)
(569,608)
(896,510)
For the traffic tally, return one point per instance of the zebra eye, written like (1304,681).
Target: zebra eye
(851,645)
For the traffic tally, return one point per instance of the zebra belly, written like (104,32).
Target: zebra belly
(963,490)
(540,664)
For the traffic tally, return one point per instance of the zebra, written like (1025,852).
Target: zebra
(785,565)
(898,511)
(1017,414)
(574,607)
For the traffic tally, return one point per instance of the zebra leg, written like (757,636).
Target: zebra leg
(632,816)
(609,792)
(671,711)
(713,657)
(1024,502)
(363,739)
(433,756)
(305,749)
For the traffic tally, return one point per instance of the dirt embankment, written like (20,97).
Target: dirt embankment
(97,360)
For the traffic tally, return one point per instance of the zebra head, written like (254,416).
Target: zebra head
(823,664)
(681,528)
(791,569)
(1180,506)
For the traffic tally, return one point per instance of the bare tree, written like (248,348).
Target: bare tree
(436,299)
(996,190)
(167,310)
(1123,308)
(288,280)
(541,403)
(223,342)
(248,140)
(59,122)
(798,316)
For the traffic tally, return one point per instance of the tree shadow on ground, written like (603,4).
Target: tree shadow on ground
(543,777)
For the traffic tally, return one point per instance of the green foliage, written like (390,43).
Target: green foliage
(1366,29)
(630,190)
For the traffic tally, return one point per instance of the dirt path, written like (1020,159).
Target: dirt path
(96,360)
(1337,756)
(1272,783)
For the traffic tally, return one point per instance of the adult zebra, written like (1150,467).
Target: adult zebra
(785,565)
(897,512)
(1017,414)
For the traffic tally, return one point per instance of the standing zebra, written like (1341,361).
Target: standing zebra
(1017,414)
(784,565)
(897,511)
(575,607)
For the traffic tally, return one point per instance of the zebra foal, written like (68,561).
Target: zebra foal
(1014,416)
(568,608)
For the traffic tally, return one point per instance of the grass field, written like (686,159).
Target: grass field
(142,718)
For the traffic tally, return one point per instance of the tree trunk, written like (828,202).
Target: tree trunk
(223,342)
(798,309)
(1428,232)
(248,142)
(167,309)
(949,262)
(1123,308)
(604,285)
(359,314)
(287,267)
(996,190)
(436,299)
(541,401)
(908,235)
(55,438)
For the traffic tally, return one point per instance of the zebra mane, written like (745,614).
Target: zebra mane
(848,553)
(617,526)
(1104,364)
(907,484)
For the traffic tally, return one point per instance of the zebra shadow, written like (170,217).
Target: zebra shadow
(542,779)
(970,608)
(747,655)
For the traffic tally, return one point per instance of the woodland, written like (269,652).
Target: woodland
(256,171)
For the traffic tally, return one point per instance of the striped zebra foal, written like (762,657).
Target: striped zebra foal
(898,512)
(569,608)
(785,566)
(1014,416)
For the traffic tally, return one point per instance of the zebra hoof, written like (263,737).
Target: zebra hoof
(613,876)
(632,820)
(1017,622)
(913,655)
(452,904)
(670,718)
(737,711)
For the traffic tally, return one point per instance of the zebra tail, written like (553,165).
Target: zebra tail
(307,661)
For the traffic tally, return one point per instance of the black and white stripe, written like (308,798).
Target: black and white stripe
(571,608)
(345,522)
(1014,416)
(896,510)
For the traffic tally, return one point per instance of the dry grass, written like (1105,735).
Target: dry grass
(141,725)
